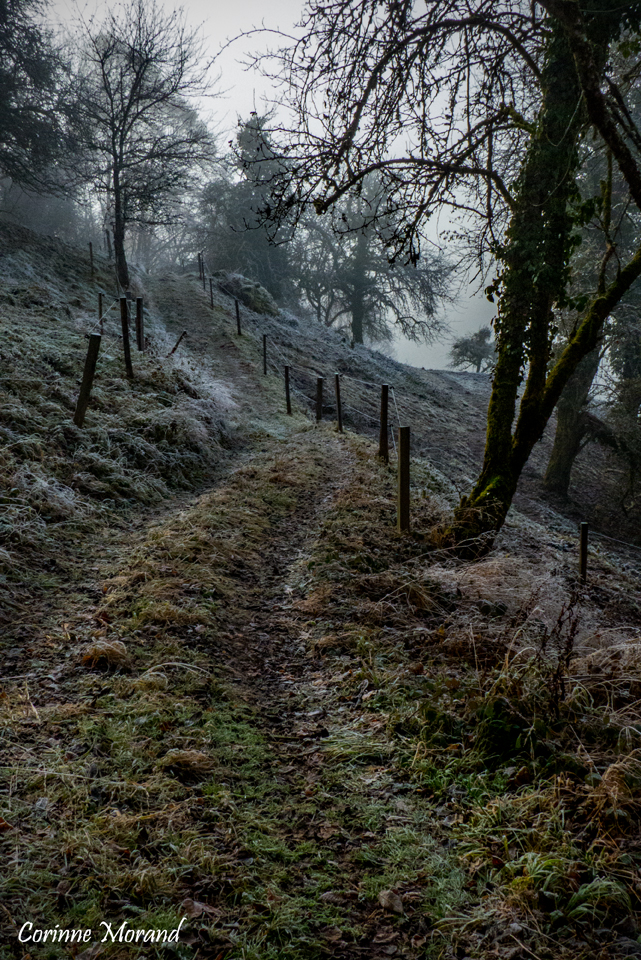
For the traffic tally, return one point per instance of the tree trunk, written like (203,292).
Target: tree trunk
(535,276)
(122,269)
(357,299)
(570,425)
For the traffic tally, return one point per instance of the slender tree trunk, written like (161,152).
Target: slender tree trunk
(357,304)
(122,269)
(570,424)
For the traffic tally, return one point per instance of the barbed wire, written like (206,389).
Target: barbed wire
(396,406)
(368,383)
(632,546)
(101,319)
(362,412)
(53,379)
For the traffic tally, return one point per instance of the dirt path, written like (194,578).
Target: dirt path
(173,752)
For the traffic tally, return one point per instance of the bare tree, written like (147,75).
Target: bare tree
(137,70)
(348,281)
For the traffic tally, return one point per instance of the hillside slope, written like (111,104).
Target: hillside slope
(232,694)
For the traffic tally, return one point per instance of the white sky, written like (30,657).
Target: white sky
(244,90)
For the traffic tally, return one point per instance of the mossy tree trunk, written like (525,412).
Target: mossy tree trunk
(533,282)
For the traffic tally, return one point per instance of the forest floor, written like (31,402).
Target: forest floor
(232,693)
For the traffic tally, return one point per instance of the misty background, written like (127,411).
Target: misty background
(241,89)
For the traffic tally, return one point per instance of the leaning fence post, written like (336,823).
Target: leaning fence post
(319,398)
(91,257)
(140,325)
(287,396)
(211,293)
(237,316)
(383,440)
(100,313)
(176,345)
(339,408)
(124,321)
(583,553)
(87,379)
(403,509)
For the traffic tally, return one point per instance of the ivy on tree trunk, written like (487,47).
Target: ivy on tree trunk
(534,279)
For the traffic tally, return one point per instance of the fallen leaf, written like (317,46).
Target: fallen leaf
(91,953)
(4,825)
(386,935)
(390,901)
(194,908)
(327,830)
(330,897)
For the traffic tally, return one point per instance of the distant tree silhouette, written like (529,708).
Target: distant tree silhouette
(476,351)
(30,71)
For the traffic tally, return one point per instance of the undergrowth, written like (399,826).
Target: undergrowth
(527,750)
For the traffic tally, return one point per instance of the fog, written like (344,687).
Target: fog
(241,89)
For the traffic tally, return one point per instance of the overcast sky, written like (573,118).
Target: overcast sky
(244,90)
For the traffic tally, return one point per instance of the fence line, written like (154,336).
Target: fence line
(103,317)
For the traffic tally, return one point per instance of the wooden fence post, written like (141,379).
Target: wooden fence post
(176,345)
(383,438)
(87,379)
(237,316)
(319,398)
(124,321)
(583,553)
(100,313)
(339,408)
(403,509)
(91,257)
(287,396)
(200,268)
(140,325)
(264,354)
(211,293)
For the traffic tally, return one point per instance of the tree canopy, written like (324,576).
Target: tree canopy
(475,350)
